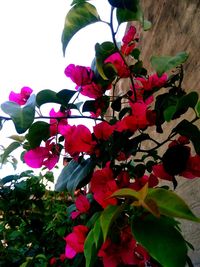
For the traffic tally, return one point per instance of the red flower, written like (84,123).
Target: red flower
(160,172)
(103,185)
(119,64)
(78,139)
(80,75)
(103,130)
(192,168)
(152,181)
(152,82)
(125,252)
(75,241)
(82,204)
(129,41)
(52,261)
(22,97)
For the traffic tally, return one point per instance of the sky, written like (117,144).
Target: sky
(31,50)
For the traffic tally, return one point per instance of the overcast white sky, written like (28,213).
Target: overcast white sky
(31,50)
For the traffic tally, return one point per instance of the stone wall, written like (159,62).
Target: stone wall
(175,28)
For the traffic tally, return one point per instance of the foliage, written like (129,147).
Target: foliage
(108,207)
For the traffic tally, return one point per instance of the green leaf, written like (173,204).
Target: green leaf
(79,16)
(89,106)
(125,4)
(107,218)
(169,113)
(126,192)
(147,25)
(161,239)
(73,174)
(8,150)
(9,179)
(170,204)
(48,96)
(98,237)
(78,2)
(18,138)
(165,63)
(185,102)
(197,109)
(102,51)
(90,250)
(124,15)
(22,117)
(191,131)
(38,132)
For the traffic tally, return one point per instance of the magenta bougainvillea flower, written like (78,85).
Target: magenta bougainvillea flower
(139,183)
(80,75)
(78,139)
(129,41)
(46,156)
(103,130)
(75,241)
(83,78)
(22,97)
(103,185)
(151,82)
(82,204)
(125,252)
(57,126)
(119,64)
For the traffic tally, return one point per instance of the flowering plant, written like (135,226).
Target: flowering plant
(123,213)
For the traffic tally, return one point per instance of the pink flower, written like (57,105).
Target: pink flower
(82,204)
(103,130)
(75,241)
(57,126)
(78,139)
(129,41)
(39,156)
(119,64)
(80,75)
(103,185)
(153,81)
(92,90)
(22,97)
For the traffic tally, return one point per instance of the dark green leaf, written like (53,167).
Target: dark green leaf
(48,96)
(124,111)
(107,218)
(116,104)
(22,116)
(78,17)
(161,239)
(8,150)
(170,204)
(102,52)
(38,132)
(191,131)
(135,53)
(73,174)
(124,15)
(165,63)
(197,108)
(78,2)
(125,4)
(186,101)
(89,106)
(65,96)
(9,179)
